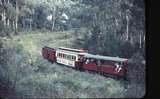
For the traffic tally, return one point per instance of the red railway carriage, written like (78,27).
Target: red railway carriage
(80,59)
(105,64)
(49,53)
(68,56)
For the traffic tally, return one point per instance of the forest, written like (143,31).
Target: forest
(104,27)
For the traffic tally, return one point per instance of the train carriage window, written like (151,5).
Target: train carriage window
(80,58)
(102,62)
(69,57)
(118,66)
(95,61)
(124,63)
(108,63)
(72,58)
(64,56)
(92,60)
(87,61)
(99,62)
(121,64)
(84,59)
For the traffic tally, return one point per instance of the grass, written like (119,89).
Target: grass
(58,81)
(33,42)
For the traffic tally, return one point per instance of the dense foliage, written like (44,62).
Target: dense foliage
(105,27)
(26,74)
(113,26)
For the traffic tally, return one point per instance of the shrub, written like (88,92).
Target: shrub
(5,31)
(136,69)
(136,76)
(135,90)
(14,66)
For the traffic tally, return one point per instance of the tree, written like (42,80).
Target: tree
(121,24)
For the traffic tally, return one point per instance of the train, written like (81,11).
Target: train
(80,59)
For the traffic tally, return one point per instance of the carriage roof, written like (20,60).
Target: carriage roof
(70,49)
(49,48)
(118,59)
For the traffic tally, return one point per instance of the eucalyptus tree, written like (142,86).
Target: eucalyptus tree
(59,8)
(120,24)
(8,14)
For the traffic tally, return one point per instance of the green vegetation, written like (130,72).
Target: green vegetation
(40,78)
(105,27)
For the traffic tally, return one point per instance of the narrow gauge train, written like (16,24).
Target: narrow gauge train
(80,59)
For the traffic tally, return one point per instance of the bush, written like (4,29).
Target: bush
(103,43)
(136,69)
(135,90)
(14,66)
(5,31)
(136,76)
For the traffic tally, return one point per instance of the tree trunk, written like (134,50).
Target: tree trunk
(0,2)
(127,27)
(131,39)
(30,24)
(12,24)
(53,18)
(116,21)
(53,24)
(144,37)
(94,20)
(140,40)
(8,22)
(16,21)
(4,17)
(15,82)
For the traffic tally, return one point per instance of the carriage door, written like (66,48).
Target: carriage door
(98,63)
(118,67)
(52,55)
(45,52)
(79,63)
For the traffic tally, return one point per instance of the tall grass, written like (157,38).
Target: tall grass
(39,78)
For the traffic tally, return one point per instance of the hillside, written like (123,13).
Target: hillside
(104,27)
(44,79)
